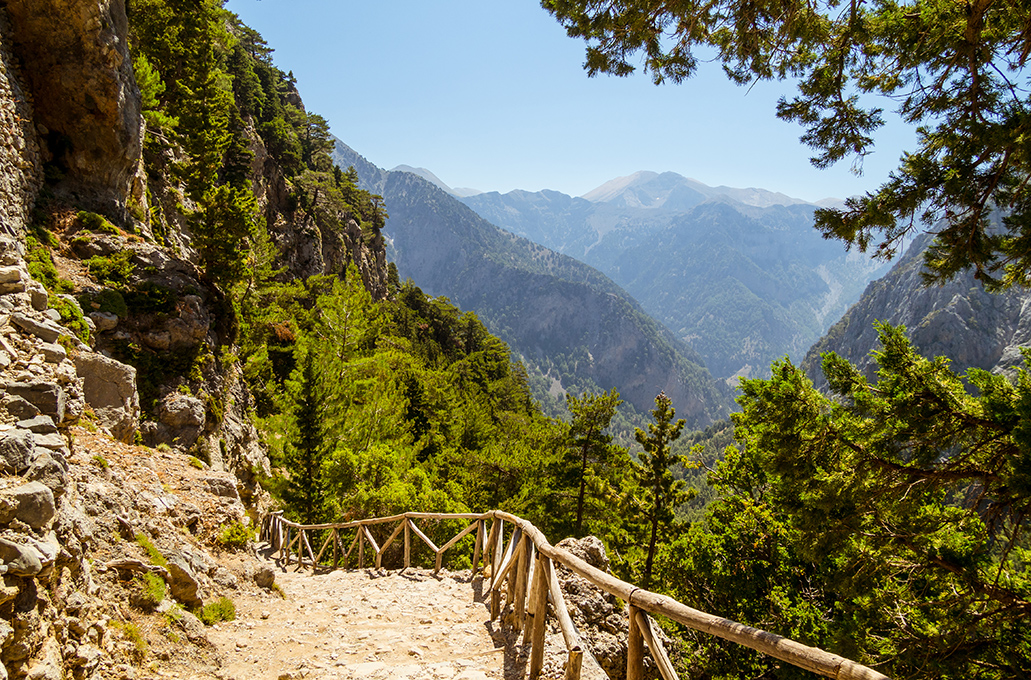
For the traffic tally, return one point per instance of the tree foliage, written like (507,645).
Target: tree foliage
(955,70)
(888,522)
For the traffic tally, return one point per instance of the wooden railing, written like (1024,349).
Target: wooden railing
(525,568)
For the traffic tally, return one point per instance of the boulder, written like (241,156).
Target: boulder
(20,559)
(222,486)
(48,397)
(19,407)
(191,327)
(48,330)
(110,390)
(38,425)
(182,581)
(104,321)
(48,470)
(182,410)
(16,451)
(265,577)
(34,503)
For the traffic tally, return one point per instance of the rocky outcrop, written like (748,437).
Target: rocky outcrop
(110,390)
(958,320)
(21,166)
(87,104)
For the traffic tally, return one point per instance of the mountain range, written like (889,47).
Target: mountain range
(739,274)
(571,324)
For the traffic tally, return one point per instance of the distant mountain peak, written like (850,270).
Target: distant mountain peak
(669,191)
(460,192)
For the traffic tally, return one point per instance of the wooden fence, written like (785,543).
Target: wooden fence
(524,568)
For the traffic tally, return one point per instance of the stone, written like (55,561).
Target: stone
(48,470)
(19,407)
(10,274)
(48,397)
(109,387)
(220,486)
(20,560)
(39,298)
(34,502)
(53,353)
(159,340)
(182,581)
(265,577)
(52,440)
(191,327)
(182,410)
(105,321)
(52,314)
(48,330)
(38,424)
(16,450)
(193,627)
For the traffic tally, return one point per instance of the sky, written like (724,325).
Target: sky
(492,95)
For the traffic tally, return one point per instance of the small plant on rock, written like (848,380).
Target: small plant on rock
(235,535)
(152,552)
(150,590)
(221,609)
(100,461)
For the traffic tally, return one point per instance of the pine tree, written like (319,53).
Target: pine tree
(662,493)
(305,492)
(590,451)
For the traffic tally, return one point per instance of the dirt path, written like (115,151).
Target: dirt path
(370,624)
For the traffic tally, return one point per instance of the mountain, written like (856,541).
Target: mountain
(567,320)
(958,320)
(739,274)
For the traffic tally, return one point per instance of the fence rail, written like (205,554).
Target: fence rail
(524,568)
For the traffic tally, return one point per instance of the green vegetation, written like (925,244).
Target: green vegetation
(156,558)
(98,223)
(220,610)
(151,590)
(235,535)
(100,461)
(113,270)
(132,633)
(71,317)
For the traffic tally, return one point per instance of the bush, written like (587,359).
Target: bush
(221,609)
(155,555)
(71,317)
(235,535)
(100,461)
(132,633)
(107,300)
(151,590)
(97,223)
(113,270)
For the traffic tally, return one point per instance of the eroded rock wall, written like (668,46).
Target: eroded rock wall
(20,162)
(87,104)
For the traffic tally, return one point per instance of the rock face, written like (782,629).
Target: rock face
(86,101)
(958,320)
(110,388)
(21,168)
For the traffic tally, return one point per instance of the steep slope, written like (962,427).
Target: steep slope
(739,274)
(958,320)
(568,320)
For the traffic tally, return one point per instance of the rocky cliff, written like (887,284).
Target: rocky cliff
(958,320)
(112,319)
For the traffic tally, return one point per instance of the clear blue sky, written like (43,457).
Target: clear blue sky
(491,94)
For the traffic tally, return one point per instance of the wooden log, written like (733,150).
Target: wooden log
(354,542)
(284,551)
(565,623)
(573,664)
(336,548)
(361,548)
(311,553)
(651,638)
(465,532)
(499,577)
(522,575)
(408,543)
(478,546)
(497,551)
(539,615)
(425,539)
(634,648)
(325,544)
(386,544)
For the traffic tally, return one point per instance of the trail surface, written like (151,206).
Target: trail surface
(371,624)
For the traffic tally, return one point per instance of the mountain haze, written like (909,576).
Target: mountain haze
(739,274)
(566,319)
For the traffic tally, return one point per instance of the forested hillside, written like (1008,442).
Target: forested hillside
(740,275)
(568,321)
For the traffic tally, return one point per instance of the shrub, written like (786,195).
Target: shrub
(132,633)
(221,609)
(100,461)
(151,590)
(107,300)
(195,462)
(71,317)
(155,555)
(235,535)
(112,270)
(95,222)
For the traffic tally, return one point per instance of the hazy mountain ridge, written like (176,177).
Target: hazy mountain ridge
(958,320)
(743,284)
(565,318)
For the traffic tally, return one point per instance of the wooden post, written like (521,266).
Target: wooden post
(479,545)
(285,552)
(574,663)
(539,613)
(634,648)
(497,552)
(644,622)
(336,547)
(408,544)
(361,548)
(522,577)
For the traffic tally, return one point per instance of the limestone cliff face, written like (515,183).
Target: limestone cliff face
(958,320)
(87,104)
(21,168)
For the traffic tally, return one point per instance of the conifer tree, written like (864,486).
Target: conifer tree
(305,491)
(590,450)
(662,494)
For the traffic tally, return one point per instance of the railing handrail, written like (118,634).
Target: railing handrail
(504,566)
